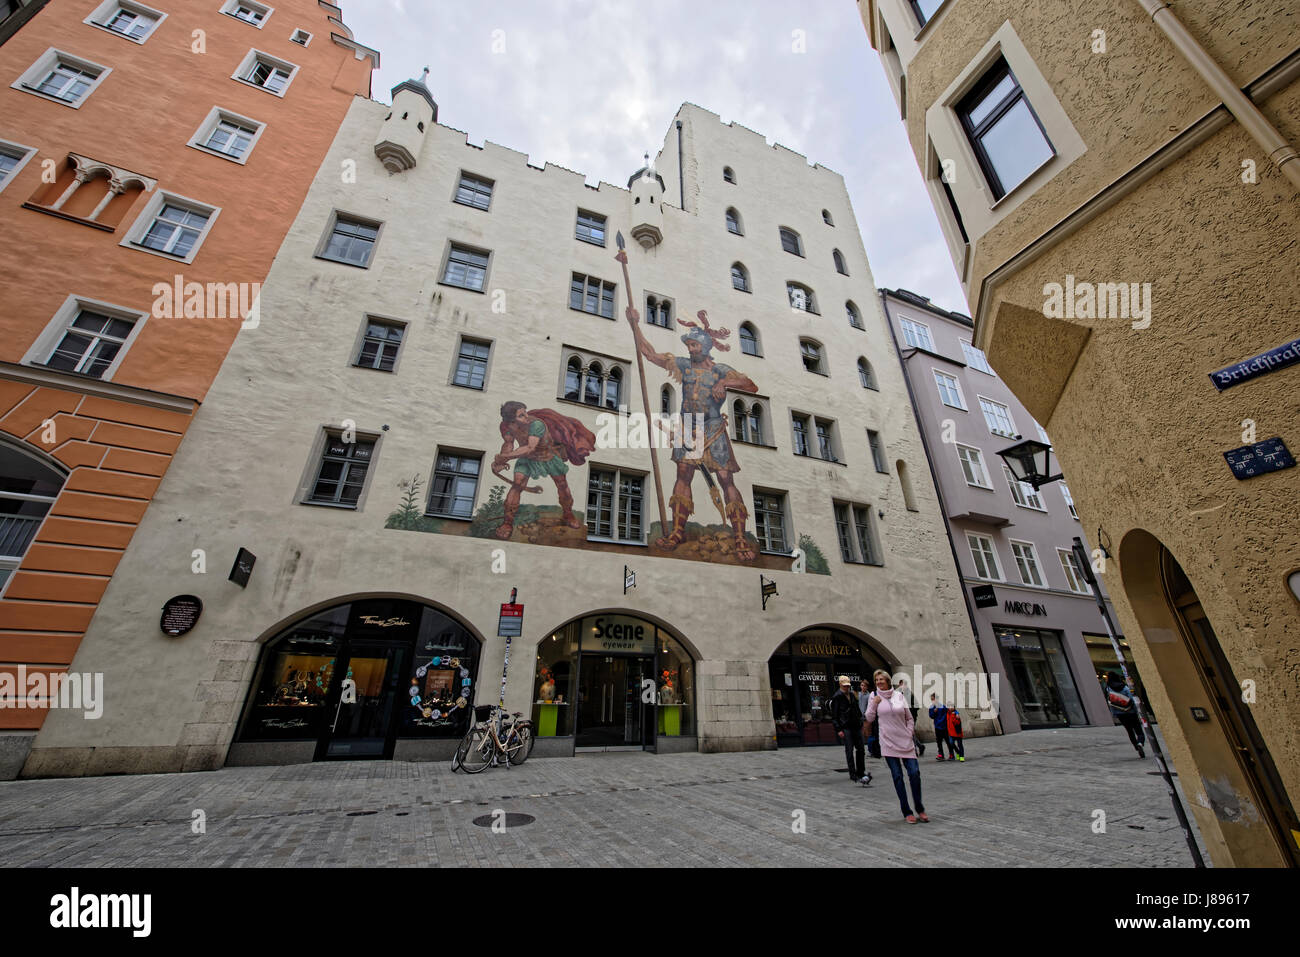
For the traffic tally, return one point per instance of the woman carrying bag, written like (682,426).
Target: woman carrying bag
(896,727)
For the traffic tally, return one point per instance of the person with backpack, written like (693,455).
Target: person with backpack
(939,715)
(889,707)
(955,734)
(846,718)
(1123,705)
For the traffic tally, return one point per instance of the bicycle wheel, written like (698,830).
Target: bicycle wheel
(475,751)
(519,745)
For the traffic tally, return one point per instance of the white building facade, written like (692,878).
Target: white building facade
(441,407)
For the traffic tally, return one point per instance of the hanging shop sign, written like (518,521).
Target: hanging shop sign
(1271,455)
(984,596)
(180,614)
(243,567)
(1287,354)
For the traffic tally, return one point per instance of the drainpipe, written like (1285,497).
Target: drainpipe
(681,170)
(1279,151)
(943,508)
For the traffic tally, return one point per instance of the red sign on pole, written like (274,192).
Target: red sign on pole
(511,624)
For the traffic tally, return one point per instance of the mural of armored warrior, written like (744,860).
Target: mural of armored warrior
(704,385)
(542,443)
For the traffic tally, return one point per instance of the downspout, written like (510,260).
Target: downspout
(1279,151)
(681,169)
(943,508)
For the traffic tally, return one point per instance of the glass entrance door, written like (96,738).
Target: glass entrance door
(359,716)
(1045,692)
(611,712)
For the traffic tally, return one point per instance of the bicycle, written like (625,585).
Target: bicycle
(495,735)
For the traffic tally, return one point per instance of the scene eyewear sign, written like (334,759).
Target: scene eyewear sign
(511,622)
(617,633)
(1287,354)
(1271,455)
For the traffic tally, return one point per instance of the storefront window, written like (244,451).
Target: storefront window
(1045,691)
(676,681)
(297,674)
(557,669)
(441,683)
(803,675)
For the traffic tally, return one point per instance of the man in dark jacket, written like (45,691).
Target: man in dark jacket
(1123,705)
(846,718)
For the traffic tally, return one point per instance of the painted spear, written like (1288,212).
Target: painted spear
(645,393)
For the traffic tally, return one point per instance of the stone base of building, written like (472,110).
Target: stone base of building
(748,742)
(93,762)
(14,748)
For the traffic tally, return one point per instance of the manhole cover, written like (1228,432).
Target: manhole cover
(510,820)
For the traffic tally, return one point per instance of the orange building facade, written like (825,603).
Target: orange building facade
(152,158)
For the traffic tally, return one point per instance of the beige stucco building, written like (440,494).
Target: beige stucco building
(351,440)
(1123,218)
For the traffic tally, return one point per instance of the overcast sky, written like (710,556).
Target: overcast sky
(591,85)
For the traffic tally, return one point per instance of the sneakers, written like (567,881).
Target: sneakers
(961,757)
(939,758)
(866,780)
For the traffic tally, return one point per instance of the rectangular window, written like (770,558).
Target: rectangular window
(916,334)
(844,532)
(11,157)
(998,418)
(877,451)
(590,228)
(1024,494)
(466,268)
(342,473)
(975,358)
(588,294)
(130,20)
(1027,563)
(455,483)
(985,558)
(1008,139)
(62,77)
(175,230)
(1069,500)
(380,345)
(66,82)
(769,521)
(615,502)
(90,343)
(474,191)
(471,364)
(351,241)
(826,439)
(866,536)
(266,72)
(231,138)
(801,446)
(972,466)
(1073,574)
(249,12)
(949,390)
(925,9)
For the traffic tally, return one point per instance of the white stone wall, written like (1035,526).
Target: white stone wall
(236,479)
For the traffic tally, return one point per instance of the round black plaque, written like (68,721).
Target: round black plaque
(180,614)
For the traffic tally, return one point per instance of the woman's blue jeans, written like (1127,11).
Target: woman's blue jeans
(896,766)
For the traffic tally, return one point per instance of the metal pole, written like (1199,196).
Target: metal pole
(1085,566)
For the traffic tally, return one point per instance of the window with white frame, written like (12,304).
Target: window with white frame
(594,380)
(615,505)
(86,337)
(1005,133)
(228,134)
(984,556)
(949,390)
(801,297)
(1069,501)
(997,417)
(769,521)
(1024,494)
(916,334)
(12,158)
(62,77)
(350,240)
(975,358)
(466,268)
(341,474)
(1027,563)
(301,37)
(252,13)
(1042,434)
(472,363)
(380,344)
(128,19)
(266,72)
(28,489)
(1073,573)
(172,226)
(972,466)
(455,484)
(474,191)
(855,530)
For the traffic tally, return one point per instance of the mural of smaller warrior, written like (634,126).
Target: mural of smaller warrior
(542,443)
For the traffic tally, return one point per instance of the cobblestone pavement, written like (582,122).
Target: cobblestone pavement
(1023,799)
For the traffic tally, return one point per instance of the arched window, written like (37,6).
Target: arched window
(801,297)
(755,426)
(855,318)
(749,421)
(658,311)
(614,388)
(594,387)
(739,277)
(28,488)
(749,339)
(840,268)
(790,241)
(813,360)
(573,379)
(867,376)
(733,223)
(905,482)
(666,400)
(729,175)
(826,217)
(738,413)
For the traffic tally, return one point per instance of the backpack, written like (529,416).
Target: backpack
(1118,699)
(954,723)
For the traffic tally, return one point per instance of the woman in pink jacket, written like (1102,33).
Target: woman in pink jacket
(896,730)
